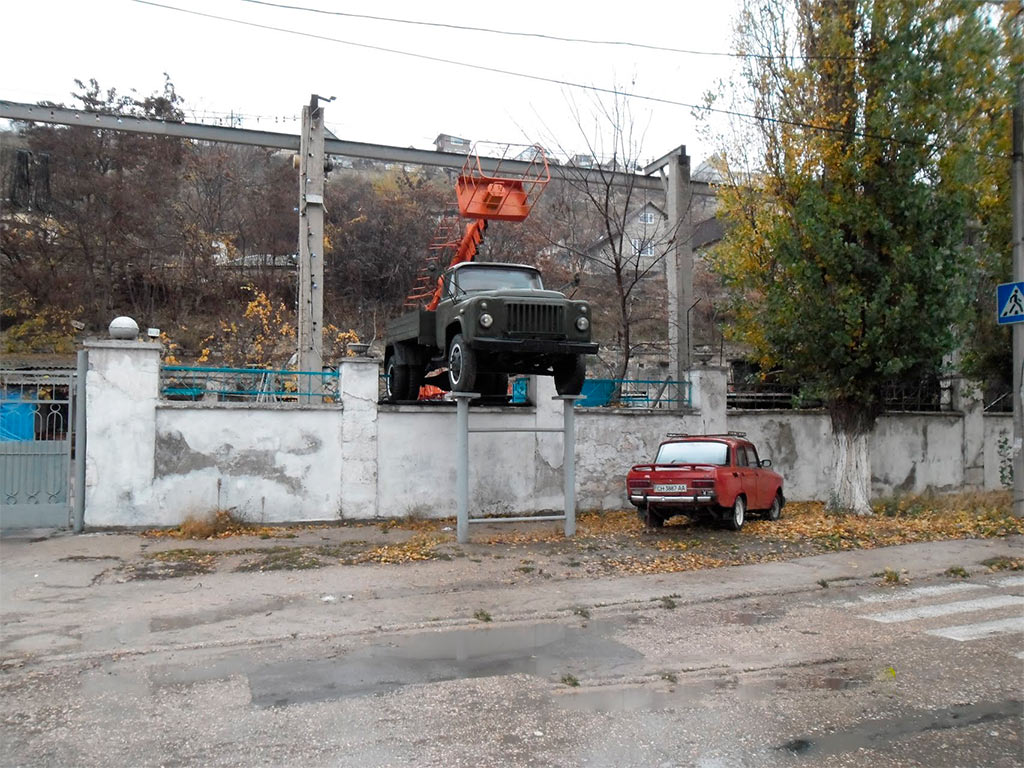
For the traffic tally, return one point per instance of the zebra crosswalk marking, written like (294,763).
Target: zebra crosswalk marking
(915,593)
(1011,581)
(981,630)
(946,609)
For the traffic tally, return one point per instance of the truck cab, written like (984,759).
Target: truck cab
(492,320)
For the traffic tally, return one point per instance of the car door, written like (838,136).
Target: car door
(760,499)
(747,476)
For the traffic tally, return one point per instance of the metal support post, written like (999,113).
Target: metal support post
(462,464)
(79,400)
(569,459)
(1017,198)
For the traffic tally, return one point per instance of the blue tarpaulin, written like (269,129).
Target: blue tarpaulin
(17,419)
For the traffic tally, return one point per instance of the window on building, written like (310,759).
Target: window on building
(647,217)
(641,248)
(456,140)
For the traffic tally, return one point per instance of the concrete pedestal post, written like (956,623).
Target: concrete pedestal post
(122,389)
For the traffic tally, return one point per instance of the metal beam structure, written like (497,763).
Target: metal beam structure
(353,149)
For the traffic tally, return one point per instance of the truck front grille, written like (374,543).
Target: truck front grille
(536,319)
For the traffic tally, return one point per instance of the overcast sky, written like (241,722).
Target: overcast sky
(221,67)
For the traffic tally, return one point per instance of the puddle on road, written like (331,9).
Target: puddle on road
(236,610)
(430,657)
(752,619)
(876,734)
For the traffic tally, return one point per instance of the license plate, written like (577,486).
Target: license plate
(677,488)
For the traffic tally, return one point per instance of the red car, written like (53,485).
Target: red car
(717,476)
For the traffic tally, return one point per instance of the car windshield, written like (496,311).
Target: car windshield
(491,278)
(694,452)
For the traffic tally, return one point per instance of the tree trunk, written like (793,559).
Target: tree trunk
(852,425)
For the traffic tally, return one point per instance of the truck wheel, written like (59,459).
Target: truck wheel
(569,375)
(416,373)
(396,381)
(461,365)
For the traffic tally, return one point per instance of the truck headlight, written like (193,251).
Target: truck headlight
(582,323)
(486,321)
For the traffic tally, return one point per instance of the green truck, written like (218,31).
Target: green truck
(492,320)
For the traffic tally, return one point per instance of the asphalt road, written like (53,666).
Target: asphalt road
(812,662)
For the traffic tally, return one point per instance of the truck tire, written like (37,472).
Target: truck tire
(396,381)
(569,375)
(416,374)
(461,365)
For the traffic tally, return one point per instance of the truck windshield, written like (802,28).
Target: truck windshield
(491,278)
(695,452)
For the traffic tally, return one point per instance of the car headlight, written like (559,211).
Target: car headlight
(582,323)
(486,321)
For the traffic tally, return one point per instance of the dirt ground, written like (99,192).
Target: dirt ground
(606,542)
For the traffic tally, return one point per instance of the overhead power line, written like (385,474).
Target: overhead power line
(552,80)
(545,36)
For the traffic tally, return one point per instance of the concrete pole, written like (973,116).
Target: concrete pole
(1017,201)
(311,243)
(679,267)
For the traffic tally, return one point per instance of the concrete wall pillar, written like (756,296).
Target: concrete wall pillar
(966,397)
(708,396)
(122,389)
(359,385)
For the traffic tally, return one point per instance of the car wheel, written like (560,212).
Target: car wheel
(737,515)
(396,381)
(775,510)
(569,375)
(461,365)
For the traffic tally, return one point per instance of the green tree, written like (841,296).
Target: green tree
(845,246)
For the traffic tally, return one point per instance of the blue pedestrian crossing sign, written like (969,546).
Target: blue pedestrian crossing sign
(1010,303)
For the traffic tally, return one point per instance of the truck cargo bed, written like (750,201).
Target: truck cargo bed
(417,326)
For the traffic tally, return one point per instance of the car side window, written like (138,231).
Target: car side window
(741,456)
(752,458)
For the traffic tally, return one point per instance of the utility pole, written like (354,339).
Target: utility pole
(679,264)
(1017,201)
(311,242)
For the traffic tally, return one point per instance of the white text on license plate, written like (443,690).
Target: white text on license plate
(677,488)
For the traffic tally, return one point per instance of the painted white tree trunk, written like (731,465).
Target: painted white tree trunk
(852,482)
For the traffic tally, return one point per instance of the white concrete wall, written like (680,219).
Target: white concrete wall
(997,425)
(267,463)
(154,463)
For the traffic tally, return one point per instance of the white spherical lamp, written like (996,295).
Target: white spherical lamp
(123,328)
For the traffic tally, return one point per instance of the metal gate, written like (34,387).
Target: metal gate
(36,447)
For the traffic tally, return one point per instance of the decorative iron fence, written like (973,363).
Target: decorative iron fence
(36,447)
(998,400)
(253,385)
(923,395)
(635,393)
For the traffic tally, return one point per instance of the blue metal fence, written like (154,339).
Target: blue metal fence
(635,393)
(259,385)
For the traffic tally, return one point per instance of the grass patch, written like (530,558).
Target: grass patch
(219,524)
(481,615)
(571,680)
(282,559)
(890,576)
(670,676)
(580,610)
(956,572)
(525,568)
(668,603)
